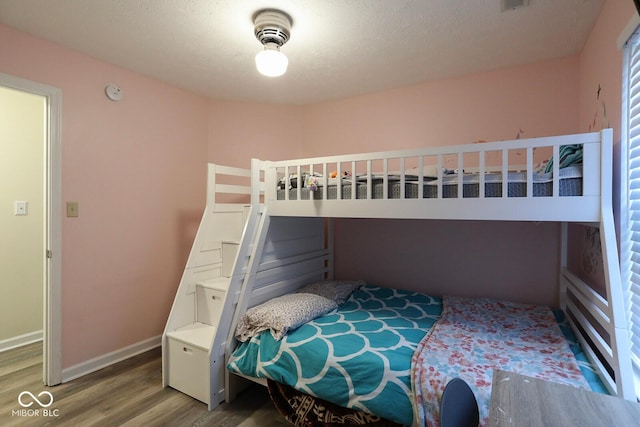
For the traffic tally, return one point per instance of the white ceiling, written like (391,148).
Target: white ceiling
(338,48)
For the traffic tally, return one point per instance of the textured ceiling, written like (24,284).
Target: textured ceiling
(338,48)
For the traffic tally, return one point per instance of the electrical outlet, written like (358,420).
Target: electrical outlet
(72,209)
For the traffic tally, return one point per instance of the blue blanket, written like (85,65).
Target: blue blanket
(357,356)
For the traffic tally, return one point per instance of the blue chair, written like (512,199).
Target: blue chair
(458,407)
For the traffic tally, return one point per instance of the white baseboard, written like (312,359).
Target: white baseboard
(108,359)
(20,340)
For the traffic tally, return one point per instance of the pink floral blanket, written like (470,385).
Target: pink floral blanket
(475,336)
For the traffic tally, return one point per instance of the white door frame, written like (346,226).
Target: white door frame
(52,245)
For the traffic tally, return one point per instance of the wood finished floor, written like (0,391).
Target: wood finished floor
(128,393)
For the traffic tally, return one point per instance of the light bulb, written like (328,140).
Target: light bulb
(271,62)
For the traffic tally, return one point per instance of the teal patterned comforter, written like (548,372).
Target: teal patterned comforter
(357,356)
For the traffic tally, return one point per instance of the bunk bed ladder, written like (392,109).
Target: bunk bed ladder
(243,262)
(232,385)
(286,254)
(251,238)
(191,362)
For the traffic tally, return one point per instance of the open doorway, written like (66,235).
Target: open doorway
(47,212)
(22,149)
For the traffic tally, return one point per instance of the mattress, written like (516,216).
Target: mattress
(332,192)
(570,184)
(359,355)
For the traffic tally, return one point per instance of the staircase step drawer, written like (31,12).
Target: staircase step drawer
(189,369)
(209,304)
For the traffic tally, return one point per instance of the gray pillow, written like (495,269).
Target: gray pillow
(281,314)
(336,290)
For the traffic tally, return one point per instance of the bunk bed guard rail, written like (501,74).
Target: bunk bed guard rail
(416,183)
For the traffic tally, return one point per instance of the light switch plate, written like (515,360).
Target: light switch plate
(72,209)
(22,208)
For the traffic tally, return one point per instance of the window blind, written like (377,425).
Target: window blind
(630,212)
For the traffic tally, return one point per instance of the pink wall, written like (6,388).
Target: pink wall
(239,131)
(508,260)
(516,261)
(601,68)
(136,169)
(538,99)
(601,71)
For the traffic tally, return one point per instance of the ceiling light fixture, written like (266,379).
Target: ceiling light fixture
(272,29)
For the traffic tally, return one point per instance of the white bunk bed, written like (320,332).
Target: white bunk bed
(292,243)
